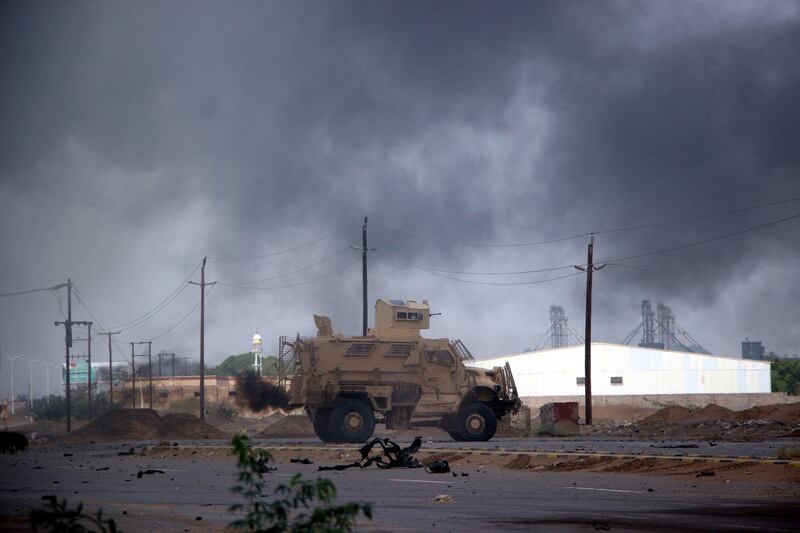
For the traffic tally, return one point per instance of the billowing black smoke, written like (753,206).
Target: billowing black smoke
(258,394)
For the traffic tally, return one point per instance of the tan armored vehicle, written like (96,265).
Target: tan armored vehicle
(395,376)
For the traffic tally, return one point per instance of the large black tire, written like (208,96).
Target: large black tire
(320,418)
(351,421)
(476,422)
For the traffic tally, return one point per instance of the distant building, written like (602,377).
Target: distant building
(752,350)
(632,370)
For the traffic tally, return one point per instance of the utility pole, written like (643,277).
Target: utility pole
(150,372)
(110,368)
(202,285)
(89,370)
(133,376)
(364,274)
(133,367)
(587,364)
(364,252)
(185,359)
(67,345)
(164,354)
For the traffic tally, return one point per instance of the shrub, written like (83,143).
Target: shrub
(286,512)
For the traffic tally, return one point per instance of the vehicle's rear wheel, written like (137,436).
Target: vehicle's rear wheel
(351,421)
(321,418)
(476,422)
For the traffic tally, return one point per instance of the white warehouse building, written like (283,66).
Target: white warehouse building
(632,370)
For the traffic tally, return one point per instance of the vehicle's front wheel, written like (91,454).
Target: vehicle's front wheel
(352,421)
(476,422)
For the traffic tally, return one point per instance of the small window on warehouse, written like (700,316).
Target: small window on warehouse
(580,381)
(616,380)
(442,357)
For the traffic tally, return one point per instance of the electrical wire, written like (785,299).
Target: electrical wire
(31,291)
(589,233)
(704,241)
(507,284)
(179,322)
(154,311)
(273,254)
(77,294)
(293,284)
(435,272)
(245,284)
(508,273)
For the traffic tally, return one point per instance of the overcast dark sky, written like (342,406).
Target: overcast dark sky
(137,137)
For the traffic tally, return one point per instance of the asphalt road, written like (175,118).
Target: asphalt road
(403,499)
(666,447)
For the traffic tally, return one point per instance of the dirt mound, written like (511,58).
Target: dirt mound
(186,426)
(787,413)
(668,415)
(121,424)
(146,424)
(292,426)
(709,413)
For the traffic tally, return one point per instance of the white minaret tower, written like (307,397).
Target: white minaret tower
(257,353)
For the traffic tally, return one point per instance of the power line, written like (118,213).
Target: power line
(273,254)
(509,273)
(704,241)
(599,232)
(244,284)
(294,284)
(152,312)
(533,282)
(31,291)
(179,322)
(77,294)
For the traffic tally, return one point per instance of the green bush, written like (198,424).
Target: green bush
(56,516)
(186,405)
(286,511)
(786,376)
(55,407)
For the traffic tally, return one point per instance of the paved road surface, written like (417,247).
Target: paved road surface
(501,500)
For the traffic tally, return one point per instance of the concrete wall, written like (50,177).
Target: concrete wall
(736,402)
(640,370)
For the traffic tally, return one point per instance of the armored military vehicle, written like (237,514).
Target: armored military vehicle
(397,377)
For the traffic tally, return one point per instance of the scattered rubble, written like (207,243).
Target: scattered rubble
(392,456)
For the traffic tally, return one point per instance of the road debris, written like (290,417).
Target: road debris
(438,467)
(148,472)
(442,498)
(392,457)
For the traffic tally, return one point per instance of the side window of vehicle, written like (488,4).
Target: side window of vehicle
(442,357)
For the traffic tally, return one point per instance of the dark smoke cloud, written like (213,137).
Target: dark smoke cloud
(138,137)
(257,394)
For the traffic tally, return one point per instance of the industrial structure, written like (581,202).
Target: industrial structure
(633,370)
(257,353)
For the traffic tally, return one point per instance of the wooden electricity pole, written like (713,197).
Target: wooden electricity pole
(202,285)
(364,274)
(587,363)
(110,368)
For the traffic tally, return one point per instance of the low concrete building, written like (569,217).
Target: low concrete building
(171,389)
